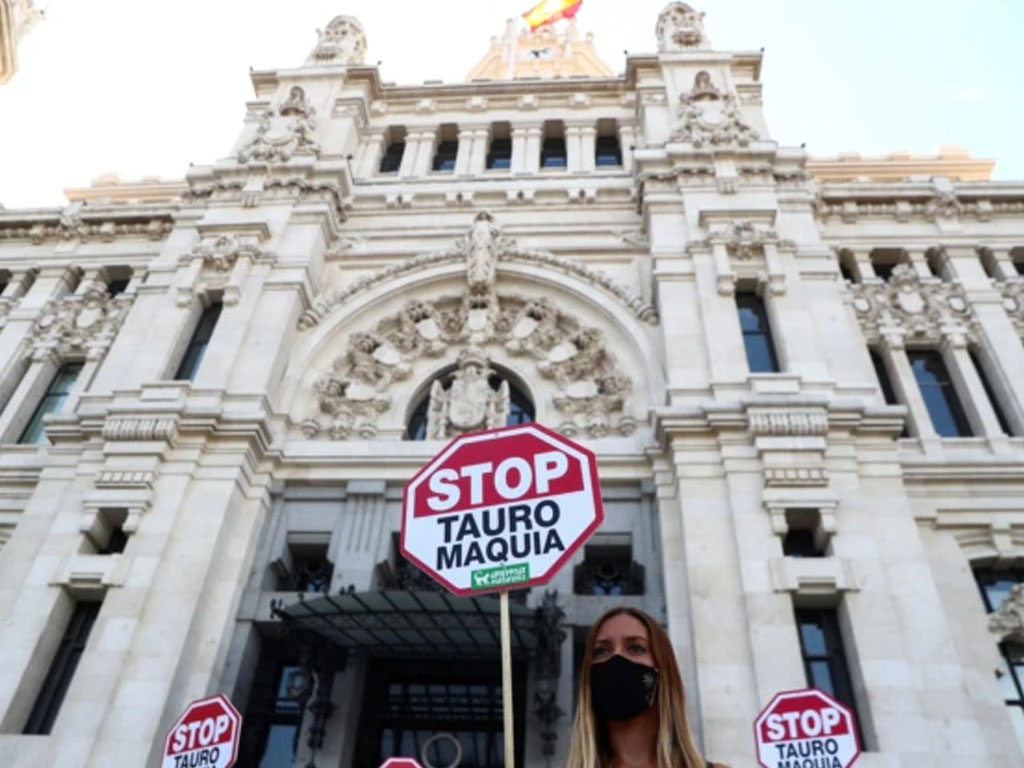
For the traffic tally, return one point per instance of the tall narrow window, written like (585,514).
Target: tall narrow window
(995,586)
(444,158)
(392,158)
(499,156)
(757,334)
(821,646)
(552,151)
(939,395)
(198,343)
(885,383)
(56,394)
(58,678)
(607,152)
(1000,415)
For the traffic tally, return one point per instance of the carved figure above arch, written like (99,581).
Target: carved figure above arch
(343,41)
(680,28)
(592,391)
(482,248)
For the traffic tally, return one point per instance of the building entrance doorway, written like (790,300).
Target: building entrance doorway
(406,703)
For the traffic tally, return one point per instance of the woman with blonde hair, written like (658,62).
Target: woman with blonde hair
(631,711)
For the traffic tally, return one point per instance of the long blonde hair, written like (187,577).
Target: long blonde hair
(675,748)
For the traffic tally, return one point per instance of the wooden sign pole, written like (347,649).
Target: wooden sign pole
(506,682)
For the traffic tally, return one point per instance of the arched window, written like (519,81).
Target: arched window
(520,407)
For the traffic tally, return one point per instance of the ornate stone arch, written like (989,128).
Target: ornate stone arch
(581,351)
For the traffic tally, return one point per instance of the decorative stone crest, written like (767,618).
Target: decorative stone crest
(1013,303)
(1007,623)
(343,41)
(592,390)
(284,131)
(680,28)
(944,205)
(221,254)
(80,324)
(920,311)
(469,403)
(711,120)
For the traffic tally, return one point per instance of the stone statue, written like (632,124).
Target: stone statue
(1008,621)
(342,42)
(703,88)
(483,243)
(680,28)
(296,103)
(469,404)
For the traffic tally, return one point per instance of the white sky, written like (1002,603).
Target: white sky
(140,87)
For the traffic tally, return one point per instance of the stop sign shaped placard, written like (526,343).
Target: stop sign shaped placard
(400,762)
(206,735)
(806,729)
(501,509)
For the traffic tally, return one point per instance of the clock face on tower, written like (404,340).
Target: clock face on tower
(540,53)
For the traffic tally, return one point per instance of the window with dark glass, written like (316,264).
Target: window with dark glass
(305,566)
(757,335)
(391,161)
(58,391)
(552,153)
(995,585)
(520,409)
(499,156)
(1004,424)
(821,646)
(114,287)
(939,394)
(885,383)
(198,343)
(273,718)
(607,151)
(444,157)
(608,567)
(1018,264)
(62,669)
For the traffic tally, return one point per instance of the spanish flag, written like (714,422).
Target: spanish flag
(550,11)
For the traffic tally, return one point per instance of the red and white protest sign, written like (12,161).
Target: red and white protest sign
(502,509)
(400,762)
(806,729)
(205,735)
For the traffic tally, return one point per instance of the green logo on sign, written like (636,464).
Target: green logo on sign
(502,576)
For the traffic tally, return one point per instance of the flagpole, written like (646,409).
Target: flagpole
(506,682)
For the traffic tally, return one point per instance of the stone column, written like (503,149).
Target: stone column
(519,148)
(534,135)
(861,265)
(1002,264)
(969,388)
(894,355)
(588,148)
(425,152)
(917,257)
(465,150)
(412,146)
(627,140)
(573,147)
(30,390)
(370,153)
(478,156)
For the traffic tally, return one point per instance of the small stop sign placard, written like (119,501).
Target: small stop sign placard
(502,509)
(400,762)
(205,735)
(806,729)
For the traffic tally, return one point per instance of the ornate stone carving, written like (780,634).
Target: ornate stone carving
(593,392)
(220,254)
(80,324)
(469,404)
(284,131)
(1013,303)
(944,205)
(73,227)
(711,120)
(680,28)
(795,476)
(920,311)
(1007,623)
(745,240)
(504,249)
(703,88)
(788,422)
(139,428)
(343,41)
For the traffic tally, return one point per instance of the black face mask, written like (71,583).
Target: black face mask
(621,689)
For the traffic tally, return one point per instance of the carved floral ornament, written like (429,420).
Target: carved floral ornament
(80,324)
(592,390)
(221,253)
(708,117)
(284,131)
(680,28)
(743,239)
(918,310)
(1007,623)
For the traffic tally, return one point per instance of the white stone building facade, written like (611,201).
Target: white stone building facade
(805,395)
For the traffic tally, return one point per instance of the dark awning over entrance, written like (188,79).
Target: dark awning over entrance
(406,624)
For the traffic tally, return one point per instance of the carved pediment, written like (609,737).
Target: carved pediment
(915,309)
